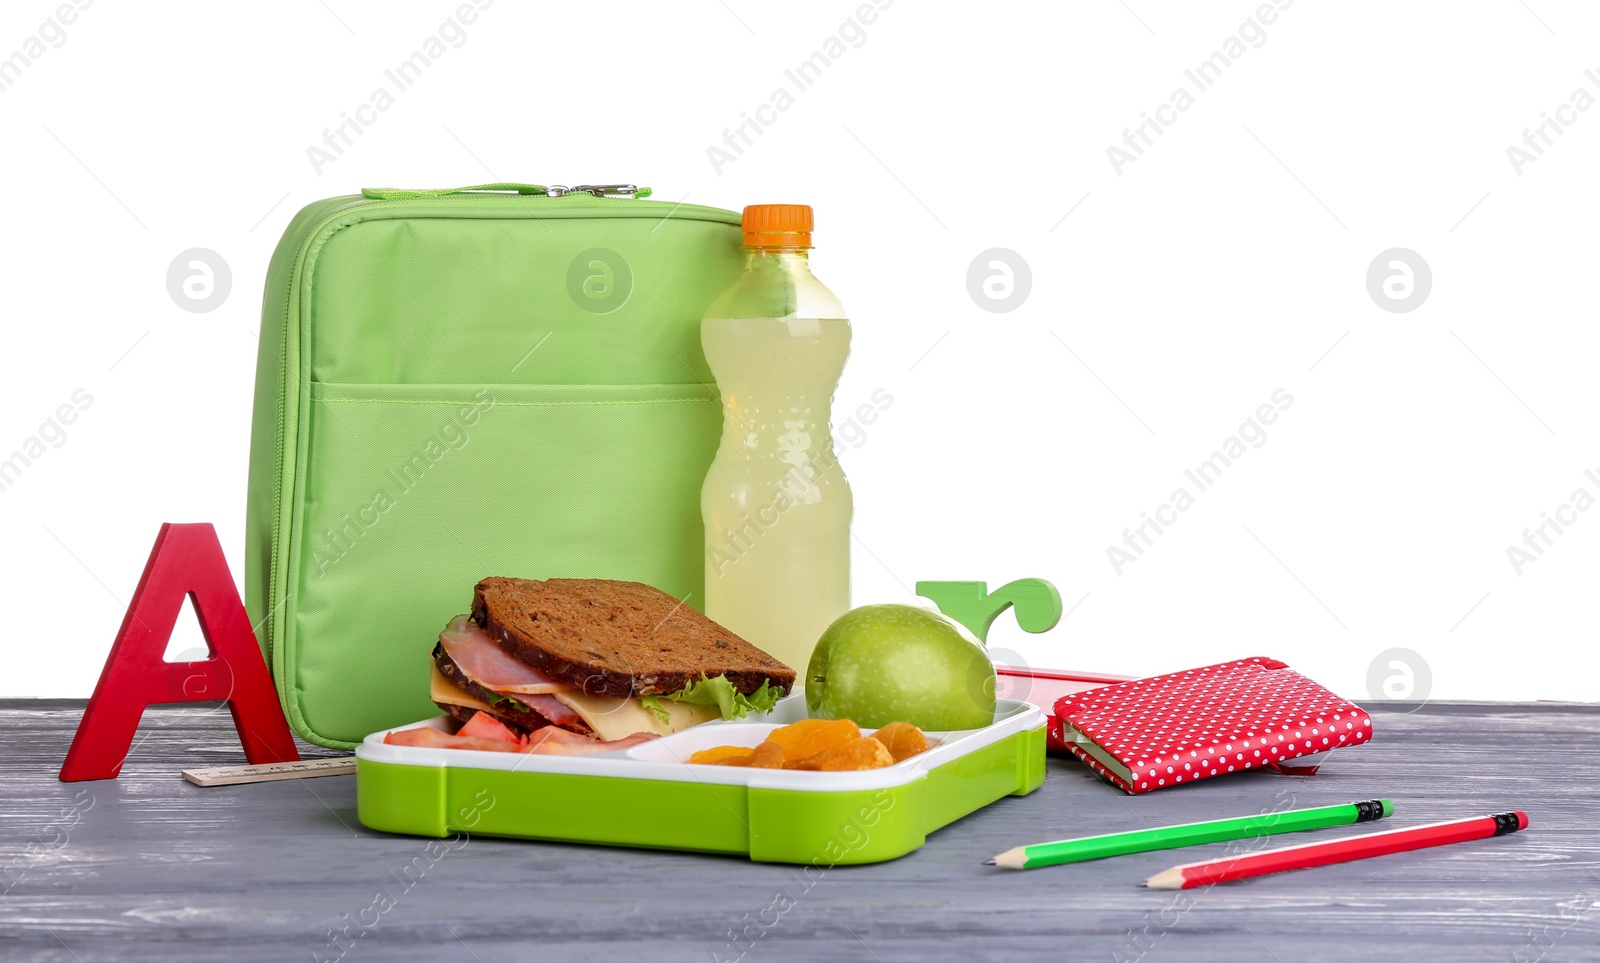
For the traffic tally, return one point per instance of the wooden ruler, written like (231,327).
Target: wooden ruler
(268,772)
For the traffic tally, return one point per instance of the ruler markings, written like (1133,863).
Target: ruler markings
(271,771)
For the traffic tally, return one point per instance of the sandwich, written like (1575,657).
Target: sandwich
(598,658)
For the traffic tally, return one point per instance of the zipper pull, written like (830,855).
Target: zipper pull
(601,190)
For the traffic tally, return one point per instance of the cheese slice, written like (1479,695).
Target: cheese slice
(611,717)
(615,717)
(443,690)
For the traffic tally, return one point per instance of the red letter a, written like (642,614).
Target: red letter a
(186,560)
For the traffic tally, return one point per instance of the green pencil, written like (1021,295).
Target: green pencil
(1190,834)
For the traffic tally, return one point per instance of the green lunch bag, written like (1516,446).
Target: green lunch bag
(498,380)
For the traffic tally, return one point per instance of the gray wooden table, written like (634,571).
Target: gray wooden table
(149,867)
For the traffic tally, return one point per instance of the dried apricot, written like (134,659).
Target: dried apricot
(902,739)
(719,754)
(804,739)
(862,753)
(768,755)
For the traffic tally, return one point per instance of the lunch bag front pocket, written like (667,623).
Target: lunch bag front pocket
(412,493)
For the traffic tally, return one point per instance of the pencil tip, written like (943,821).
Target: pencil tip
(988,862)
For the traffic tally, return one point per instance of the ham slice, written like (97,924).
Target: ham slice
(484,662)
(559,713)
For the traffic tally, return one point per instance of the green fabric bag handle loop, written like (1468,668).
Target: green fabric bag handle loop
(533,190)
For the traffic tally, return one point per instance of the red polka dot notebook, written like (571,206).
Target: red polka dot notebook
(1186,726)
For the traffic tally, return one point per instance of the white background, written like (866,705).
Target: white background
(1177,295)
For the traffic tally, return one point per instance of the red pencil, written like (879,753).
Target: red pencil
(1337,851)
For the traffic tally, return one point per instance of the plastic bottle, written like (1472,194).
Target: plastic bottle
(776,503)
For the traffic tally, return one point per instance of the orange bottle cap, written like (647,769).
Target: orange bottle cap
(777,225)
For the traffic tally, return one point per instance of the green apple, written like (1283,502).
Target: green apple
(900,663)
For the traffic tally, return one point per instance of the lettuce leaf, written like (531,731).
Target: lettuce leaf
(495,699)
(720,693)
(653,703)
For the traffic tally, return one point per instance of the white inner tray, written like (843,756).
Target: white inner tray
(667,758)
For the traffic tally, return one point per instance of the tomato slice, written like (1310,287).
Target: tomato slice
(484,726)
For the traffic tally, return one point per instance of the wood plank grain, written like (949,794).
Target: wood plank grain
(149,867)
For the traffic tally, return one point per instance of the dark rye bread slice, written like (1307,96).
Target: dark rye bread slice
(617,638)
(464,714)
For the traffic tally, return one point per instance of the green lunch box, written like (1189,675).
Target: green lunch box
(649,796)
(504,380)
